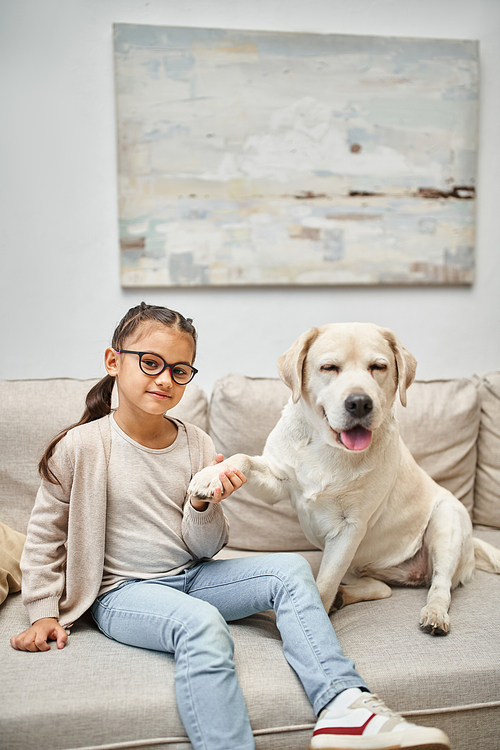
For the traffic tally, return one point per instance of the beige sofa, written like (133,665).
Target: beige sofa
(96,693)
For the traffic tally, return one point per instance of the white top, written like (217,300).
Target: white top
(146,515)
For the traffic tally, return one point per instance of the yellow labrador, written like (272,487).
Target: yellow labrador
(337,455)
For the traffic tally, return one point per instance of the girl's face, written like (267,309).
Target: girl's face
(142,394)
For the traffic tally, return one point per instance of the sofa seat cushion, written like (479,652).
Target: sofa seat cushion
(105,694)
(451,682)
(440,427)
(102,693)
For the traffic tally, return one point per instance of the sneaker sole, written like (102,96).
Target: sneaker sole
(421,739)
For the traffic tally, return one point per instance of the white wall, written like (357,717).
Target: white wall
(60,295)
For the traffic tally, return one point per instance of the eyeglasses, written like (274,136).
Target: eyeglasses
(153,364)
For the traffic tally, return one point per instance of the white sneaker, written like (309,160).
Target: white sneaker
(367,724)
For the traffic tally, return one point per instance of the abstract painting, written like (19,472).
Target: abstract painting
(253,158)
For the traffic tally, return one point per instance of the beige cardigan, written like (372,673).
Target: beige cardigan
(63,558)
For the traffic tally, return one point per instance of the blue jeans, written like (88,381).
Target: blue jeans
(187,615)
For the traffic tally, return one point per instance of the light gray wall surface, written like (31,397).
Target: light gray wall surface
(60,292)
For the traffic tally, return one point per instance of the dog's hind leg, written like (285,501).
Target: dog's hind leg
(448,539)
(361,590)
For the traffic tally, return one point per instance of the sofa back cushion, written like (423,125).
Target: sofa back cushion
(242,413)
(440,427)
(32,412)
(487,489)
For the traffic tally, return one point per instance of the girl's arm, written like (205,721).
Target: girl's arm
(43,560)
(42,565)
(204,527)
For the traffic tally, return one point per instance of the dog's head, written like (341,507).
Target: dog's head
(348,374)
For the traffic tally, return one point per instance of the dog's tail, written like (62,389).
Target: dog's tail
(487,556)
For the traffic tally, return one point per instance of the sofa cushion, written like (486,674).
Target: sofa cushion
(32,412)
(11,547)
(460,671)
(193,407)
(242,413)
(104,694)
(487,489)
(440,426)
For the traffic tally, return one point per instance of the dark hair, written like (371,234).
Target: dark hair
(98,400)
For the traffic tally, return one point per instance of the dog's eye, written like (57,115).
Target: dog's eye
(330,368)
(378,367)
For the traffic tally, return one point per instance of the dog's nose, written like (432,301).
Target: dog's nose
(358,404)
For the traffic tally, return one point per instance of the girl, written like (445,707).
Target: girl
(112,530)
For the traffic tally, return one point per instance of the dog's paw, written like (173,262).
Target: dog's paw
(434,619)
(204,484)
(338,602)
(331,604)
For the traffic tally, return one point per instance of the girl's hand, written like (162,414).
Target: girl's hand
(231,480)
(37,636)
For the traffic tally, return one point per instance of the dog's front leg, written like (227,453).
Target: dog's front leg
(448,538)
(260,477)
(338,553)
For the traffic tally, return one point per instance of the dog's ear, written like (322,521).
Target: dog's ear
(291,363)
(406,364)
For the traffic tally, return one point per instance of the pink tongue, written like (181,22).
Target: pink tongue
(356,439)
